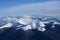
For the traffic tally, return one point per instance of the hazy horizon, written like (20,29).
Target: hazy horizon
(29,7)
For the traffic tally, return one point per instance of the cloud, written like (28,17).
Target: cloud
(48,8)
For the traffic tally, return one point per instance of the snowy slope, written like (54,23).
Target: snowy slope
(8,25)
(28,22)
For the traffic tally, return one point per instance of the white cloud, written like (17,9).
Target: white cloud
(48,8)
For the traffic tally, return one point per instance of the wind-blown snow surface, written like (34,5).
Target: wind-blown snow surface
(28,22)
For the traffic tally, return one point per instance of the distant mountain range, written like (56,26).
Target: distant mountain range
(30,28)
(29,22)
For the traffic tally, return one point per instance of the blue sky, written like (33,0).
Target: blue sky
(9,3)
(29,7)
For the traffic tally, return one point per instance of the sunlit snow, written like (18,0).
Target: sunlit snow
(8,25)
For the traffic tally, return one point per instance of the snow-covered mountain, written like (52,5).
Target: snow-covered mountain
(29,22)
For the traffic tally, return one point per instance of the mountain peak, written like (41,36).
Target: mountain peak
(27,22)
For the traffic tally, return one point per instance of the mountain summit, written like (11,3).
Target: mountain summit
(28,22)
